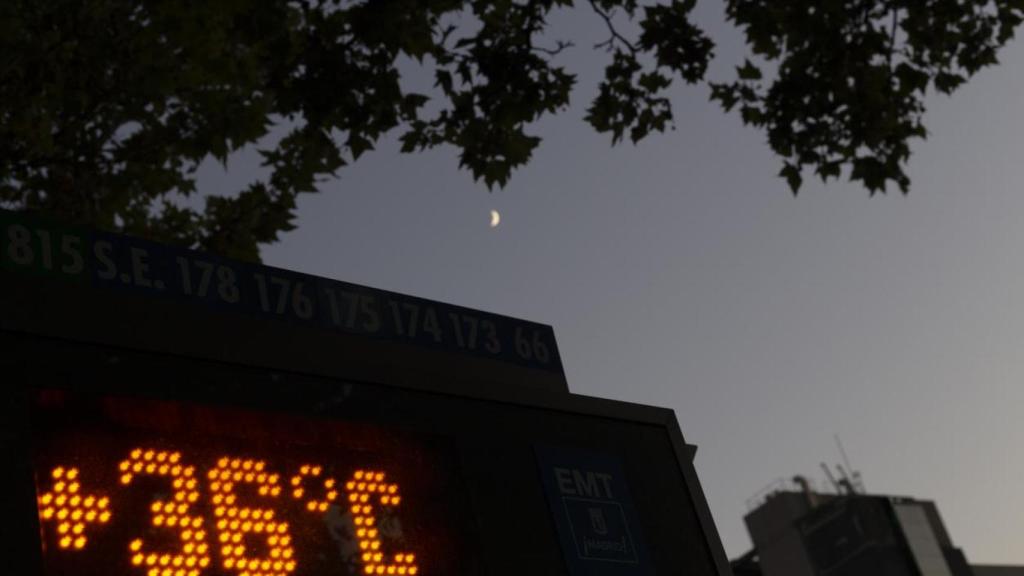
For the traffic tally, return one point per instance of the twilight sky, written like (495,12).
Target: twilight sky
(682,273)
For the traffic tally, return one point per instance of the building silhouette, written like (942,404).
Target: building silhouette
(797,531)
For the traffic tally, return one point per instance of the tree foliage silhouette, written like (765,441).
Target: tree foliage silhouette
(108,107)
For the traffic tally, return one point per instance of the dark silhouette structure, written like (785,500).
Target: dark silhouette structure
(801,532)
(362,431)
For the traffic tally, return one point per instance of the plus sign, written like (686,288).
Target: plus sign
(71,510)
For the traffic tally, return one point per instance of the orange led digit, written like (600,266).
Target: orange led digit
(71,510)
(365,489)
(235,521)
(192,555)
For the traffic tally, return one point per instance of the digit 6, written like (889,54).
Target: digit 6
(234,522)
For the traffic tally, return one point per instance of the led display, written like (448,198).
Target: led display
(172,413)
(143,487)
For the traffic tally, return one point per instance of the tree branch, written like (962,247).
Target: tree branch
(615,36)
(561,46)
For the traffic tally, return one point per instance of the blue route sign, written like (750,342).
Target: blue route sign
(30,245)
(593,512)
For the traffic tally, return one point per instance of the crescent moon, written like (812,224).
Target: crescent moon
(495,218)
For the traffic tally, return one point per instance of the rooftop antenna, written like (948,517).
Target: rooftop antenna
(845,481)
(855,477)
(831,479)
